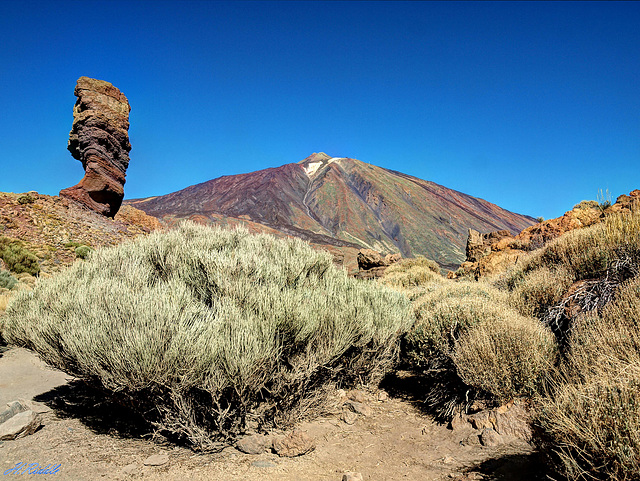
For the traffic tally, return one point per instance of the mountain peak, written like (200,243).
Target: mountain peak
(315,157)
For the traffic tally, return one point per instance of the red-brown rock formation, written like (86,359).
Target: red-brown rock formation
(99,139)
(495,251)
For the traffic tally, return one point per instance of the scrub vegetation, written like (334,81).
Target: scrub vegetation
(207,330)
(204,330)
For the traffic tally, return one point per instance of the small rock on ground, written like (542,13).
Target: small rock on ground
(156,460)
(349,417)
(351,476)
(358,407)
(294,444)
(489,437)
(19,425)
(255,444)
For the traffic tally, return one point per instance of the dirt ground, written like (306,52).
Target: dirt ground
(91,441)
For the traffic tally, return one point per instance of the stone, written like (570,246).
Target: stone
(255,444)
(156,460)
(99,139)
(260,463)
(515,422)
(368,259)
(359,408)
(13,408)
(489,437)
(294,444)
(382,396)
(351,476)
(130,469)
(349,417)
(19,425)
(392,258)
(358,396)
(459,422)
(472,439)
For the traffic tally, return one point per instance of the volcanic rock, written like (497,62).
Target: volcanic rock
(294,444)
(99,139)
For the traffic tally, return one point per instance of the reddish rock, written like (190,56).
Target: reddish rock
(99,139)
(368,259)
(294,444)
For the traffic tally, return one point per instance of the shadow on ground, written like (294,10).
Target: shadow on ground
(513,467)
(436,395)
(96,410)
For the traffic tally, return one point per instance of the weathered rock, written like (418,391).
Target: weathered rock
(489,437)
(359,408)
(349,417)
(392,258)
(368,259)
(255,444)
(513,420)
(369,274)
(472,439)
(19,425)
(351,476)
(99,139)
(13,408)
(479,245)
(156,460)
(357,395)
(294,444)
(459,422)
(382,396)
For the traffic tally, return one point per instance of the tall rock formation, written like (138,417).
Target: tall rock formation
(99,139)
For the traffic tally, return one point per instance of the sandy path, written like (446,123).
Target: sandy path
(397,442)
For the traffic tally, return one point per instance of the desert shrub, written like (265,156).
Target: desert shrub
(592,419)
(446,311)
(507,356)
(411,273)
(537,290)
(72,244)
(203,328)
(587,204)
(18,258)
(83,251)
(418,261)
(25,199)
(7,281)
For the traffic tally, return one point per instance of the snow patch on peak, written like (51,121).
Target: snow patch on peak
(311,168)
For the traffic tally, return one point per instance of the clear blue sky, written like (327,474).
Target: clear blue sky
(533,106)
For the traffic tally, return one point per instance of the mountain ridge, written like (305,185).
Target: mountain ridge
(342,202)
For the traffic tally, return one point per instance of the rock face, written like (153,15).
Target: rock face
(99,139)
(495,251)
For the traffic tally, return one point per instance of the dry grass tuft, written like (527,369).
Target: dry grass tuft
(592,420)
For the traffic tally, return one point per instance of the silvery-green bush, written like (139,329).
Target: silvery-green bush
(205,328)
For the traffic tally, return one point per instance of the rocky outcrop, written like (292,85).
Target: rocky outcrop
(372,264)
(99,139)
(495,251)
(479,245)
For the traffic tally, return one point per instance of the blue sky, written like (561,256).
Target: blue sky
(533,106)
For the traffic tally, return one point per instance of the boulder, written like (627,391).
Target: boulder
(20,425)
(294,444)
(254,444)
(99,139)
(368,259)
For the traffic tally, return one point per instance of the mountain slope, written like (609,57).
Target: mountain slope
(344,203)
